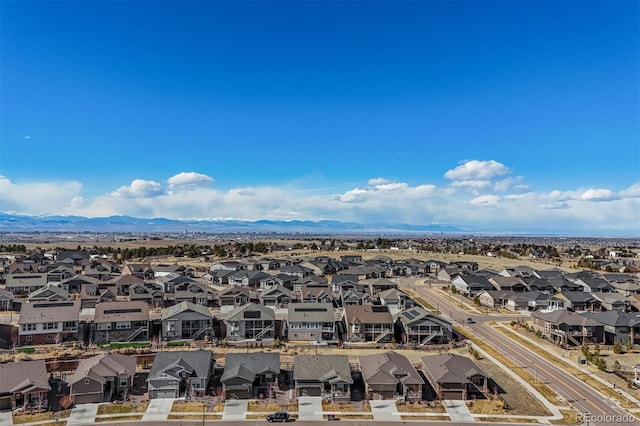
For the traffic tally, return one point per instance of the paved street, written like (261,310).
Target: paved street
(573,390)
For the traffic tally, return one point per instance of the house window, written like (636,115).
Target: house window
(123,381)
(50,337)
(123,325)
(50,325)
(196,385)
(28,327)
(28,338)
(104,326)
(86,381)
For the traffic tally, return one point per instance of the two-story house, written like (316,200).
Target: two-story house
(311,321)
(121,322)
(48,322)
(251,321)
(368,323)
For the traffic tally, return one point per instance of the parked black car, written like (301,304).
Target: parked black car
(280,416)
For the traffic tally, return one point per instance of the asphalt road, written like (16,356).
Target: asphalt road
(572,389)
(305,423)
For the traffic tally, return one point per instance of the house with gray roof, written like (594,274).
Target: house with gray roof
(175,374)
(455,377)
(106,377)
(235,296)
(471,285)
(566,328)
(422,327)
(6,300)
(75,283)
(48,322)
(251,321)
(186,320)
(246,278)
(49,293)
(327,376)
(249,375)
(23,384)
(278,297)
(311,322)
(619,327)
(316,293)
(390,375)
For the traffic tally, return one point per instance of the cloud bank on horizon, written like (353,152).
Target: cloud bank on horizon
(478,194)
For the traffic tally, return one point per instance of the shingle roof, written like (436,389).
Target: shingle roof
(248,365)
(388,368)
(185,306)
(314,312)
(166,363)
(238,313)
(39,312)
(329,368)
(23,376)
(451,368)
(136,310)
(103,366)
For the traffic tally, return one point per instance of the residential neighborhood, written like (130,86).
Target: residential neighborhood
(166,331)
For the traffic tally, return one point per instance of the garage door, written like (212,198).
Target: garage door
(457,395)
(83,399)
(310,391)
(163,393)
(238,394)
(5,403)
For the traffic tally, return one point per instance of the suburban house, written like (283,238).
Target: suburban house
(140,270)
(508,283)
(180,373)
(151,294)
(328,376)
(249,375)
(121,322)
(395,299)
(277,297)
(234,296)
(75,283)
(577,300)
(494,299)
(368,323)
(528,300)
(163,269)
(316,293)
(49,293)
(6,300)
(246,278)
(196,293)
(48,322)
(611,301)
(21,285)
(311,321)
(455,377)
(565,328)
(23,384)
(619,327)
(390,375)
(251,321)
(186,320)
(123,283)
(420,326)
(106,377)
(271,281)
(376,285)
(471,285)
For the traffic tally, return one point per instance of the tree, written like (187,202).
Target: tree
(617,348)
(454,290)
(616,366)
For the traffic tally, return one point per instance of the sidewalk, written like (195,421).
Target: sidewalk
(5,418)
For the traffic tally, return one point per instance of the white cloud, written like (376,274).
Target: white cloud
(485,200)
(513,207)
(474,169)
(139,188)
(379,181)
(598,195)
(473,183)
(189,180)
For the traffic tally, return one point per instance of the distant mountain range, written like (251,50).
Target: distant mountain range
(24,223)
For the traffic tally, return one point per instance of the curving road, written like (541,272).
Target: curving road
(581,396)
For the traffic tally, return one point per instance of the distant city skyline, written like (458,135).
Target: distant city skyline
(488,115)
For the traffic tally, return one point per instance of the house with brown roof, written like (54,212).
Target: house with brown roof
(106,377)
(121,322)
(316,293)
(23,384)
(368,323)
(455,377)
(566,328)
(140,270)
(390,375)
(186,320)
(48,322)
(21,285)
(124,282)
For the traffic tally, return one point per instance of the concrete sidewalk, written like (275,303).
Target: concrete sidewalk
(6,419)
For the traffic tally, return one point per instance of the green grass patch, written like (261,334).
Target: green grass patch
(26,350)
(120,345)
(178,343)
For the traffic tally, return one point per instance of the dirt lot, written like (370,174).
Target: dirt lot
(516,396)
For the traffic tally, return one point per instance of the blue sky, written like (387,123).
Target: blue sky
(481,114)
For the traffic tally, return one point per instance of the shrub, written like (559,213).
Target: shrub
(617,348)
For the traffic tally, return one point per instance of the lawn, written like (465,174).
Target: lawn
(569,417)
(207,417)
(266,406)
(506,420)
(421,408)
(187,407)
(347,416)
(486,406)
(346,407)
(122,408)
